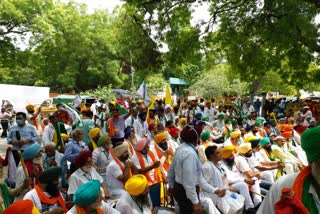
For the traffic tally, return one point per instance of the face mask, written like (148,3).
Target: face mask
(20,122)
(87,169)
(60,108)
(37,160)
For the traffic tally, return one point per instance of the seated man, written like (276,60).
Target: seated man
(216,177)
(86,172)
(88,199)
(33,161)
(137,198)
(235,179)
(292,164)
(46,195)
(241,161)
(266,168)
(298,192)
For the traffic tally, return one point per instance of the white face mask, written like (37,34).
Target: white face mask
(37,160)
(87,169)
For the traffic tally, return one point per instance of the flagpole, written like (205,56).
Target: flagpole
(132,78)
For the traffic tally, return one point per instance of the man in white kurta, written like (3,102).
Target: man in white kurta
(215,175)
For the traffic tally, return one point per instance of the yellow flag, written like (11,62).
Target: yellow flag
(151,106)
(168,99)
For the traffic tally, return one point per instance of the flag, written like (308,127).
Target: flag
(76,101)
(143,92)
(12,168)
(76,119)
(121,109)
(168,99)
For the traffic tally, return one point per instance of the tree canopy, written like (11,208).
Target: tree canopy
(253,45)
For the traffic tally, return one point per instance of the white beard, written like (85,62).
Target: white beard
(37,161)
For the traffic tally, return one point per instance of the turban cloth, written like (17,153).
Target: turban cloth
(198,116)
(264,141)
(119,150)
(279,138)
(227,120)
(220,115)
(64,136)
(311,144)
(189,135)
(249,138)
(159,137)
(136,185)
(23,207)
(258,123)
(29,107)
(244,148)
(174,131)
(94,132)
(141,144)
(103,139)
(151,127)
(205,118)
(31,152)
(227,151)
(235,134)
(205,135)
(255,143)
(183,121)
(50,174)
(167,106)
(82,158)
(87,193)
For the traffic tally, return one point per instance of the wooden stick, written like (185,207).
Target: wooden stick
(25,170)
(257,194)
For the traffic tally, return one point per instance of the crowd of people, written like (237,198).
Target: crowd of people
(193,157)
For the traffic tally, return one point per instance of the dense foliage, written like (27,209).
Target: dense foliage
(246,46)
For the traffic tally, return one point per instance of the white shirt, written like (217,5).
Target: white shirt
(186,170)
(101,159)
(48,133)
(147,162)
(232,173)
(126,205)
(140,127)
(130,121)
(115,186)
(213,175)
(242,164)
(80,177)
(106,208)
(43,208)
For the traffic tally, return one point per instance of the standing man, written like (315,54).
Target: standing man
(4,118)
(185,174)
(52,133)
(21,136)
(62,115)
(116,125)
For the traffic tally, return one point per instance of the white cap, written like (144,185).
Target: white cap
(167,106)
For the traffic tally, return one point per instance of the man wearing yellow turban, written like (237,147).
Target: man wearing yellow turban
(94,135)
(136,199)
(235,178)
(243,165)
